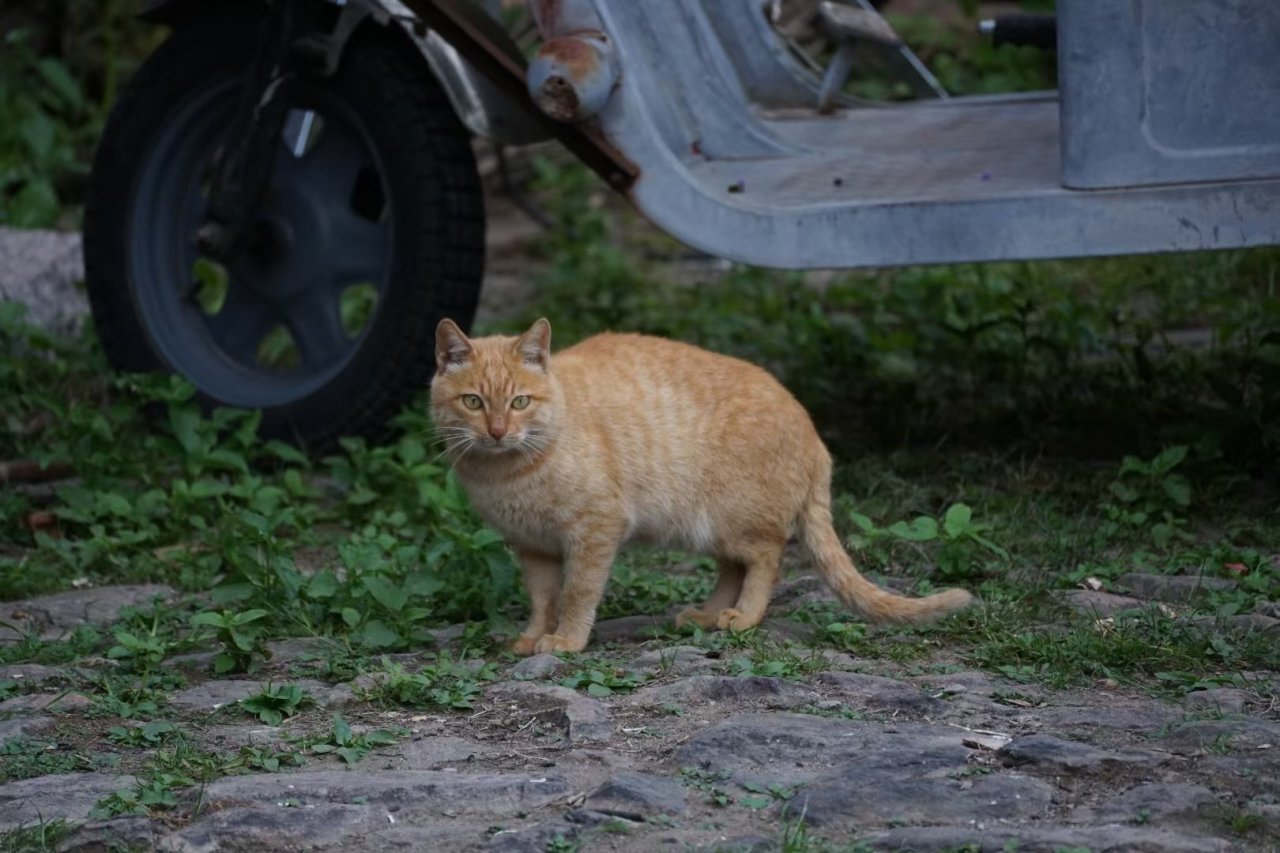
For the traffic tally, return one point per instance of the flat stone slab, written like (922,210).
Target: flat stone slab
(1137,717)
(927,839)
(213,695)
(1068,756)
(41,269)
(537,666)
(798,748)
(24,727)
(434,752)
(580,717)
(1227,700)
(32,673)
(1175,589)
(676,660)
(699,689)
(70,796)
(875,693)
(917,787)
(52,702)
(1101,603)
(637,796)
(411,792)
(1152,801)
(52,616)
(123,832)
(1229,734)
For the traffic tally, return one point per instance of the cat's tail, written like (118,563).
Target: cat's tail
(859,594)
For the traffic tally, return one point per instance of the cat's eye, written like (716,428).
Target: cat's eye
(472,402)
(521,402)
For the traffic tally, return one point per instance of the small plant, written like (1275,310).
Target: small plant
(276,702)
(443,684)
(39,838)
(764,796)
(777,661)
(243,649)
(149,735)
(1149,496)
(708,782)
(348,745)
(604,681)
(158,792)
(257,758)
(560,844)
(964,546)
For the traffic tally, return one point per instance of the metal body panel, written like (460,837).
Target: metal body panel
(1169,91)
(926,182)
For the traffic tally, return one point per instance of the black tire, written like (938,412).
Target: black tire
(139,245)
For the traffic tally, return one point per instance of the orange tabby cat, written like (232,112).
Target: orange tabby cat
(632,438)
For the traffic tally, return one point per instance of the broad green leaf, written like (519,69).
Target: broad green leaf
(1169,458)
(1178,488)
(209,618)
(957,520)
(323,585)
(249,616)
(184,421)
(922,529)
(376,634)
(385,592)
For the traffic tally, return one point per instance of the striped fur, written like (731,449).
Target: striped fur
(634,438)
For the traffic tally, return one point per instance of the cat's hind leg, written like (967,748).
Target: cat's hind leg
(762,562)
(725,594)
(542,579)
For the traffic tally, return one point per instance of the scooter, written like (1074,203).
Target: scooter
(285,202)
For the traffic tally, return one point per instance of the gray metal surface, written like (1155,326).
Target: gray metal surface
(965,180)
(1165,91)
(480,105)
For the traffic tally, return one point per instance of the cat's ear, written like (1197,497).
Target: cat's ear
(453,349)
(534,346)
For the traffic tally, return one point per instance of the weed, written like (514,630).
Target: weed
(604,680)
(708,782)
(560,844)
(158,792)
(348,745)
(243,649)
(25,758)
(777,661)
(43,837)
(145,736)
(443,684)
(1150,497)
(276,702)
(254,758)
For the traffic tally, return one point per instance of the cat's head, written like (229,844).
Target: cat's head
(493,395)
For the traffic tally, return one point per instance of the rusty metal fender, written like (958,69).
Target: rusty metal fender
(482,107)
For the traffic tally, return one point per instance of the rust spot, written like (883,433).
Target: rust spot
(573,55)
(558,99)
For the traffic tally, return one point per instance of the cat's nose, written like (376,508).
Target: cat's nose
(497,430)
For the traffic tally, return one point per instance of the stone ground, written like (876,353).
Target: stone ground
(929,757)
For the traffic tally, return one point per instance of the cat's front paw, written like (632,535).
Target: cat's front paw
(525,645)
(552,643)
(732,620)
(703,619)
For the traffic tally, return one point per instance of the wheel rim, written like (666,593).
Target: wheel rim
(291,311)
